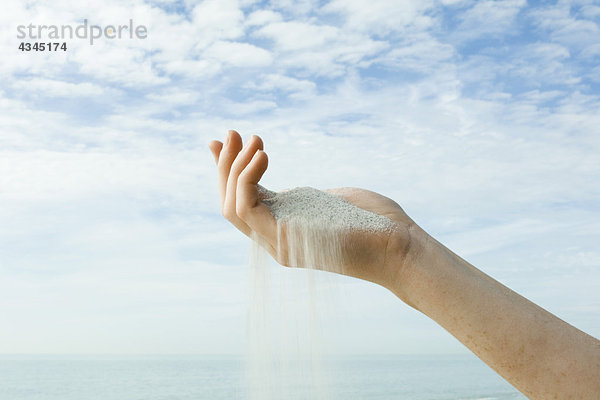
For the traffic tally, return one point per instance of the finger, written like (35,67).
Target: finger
(244,157)
(231,148)
(248,205)
(215,148)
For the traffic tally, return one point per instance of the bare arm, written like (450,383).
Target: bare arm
(538,353)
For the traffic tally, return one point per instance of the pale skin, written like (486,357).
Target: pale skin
(541,355)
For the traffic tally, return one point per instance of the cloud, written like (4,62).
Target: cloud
(422,53)
(262,17)
(106,185)
(323,50)
(298,35)
(56,88)
(295,8)
(239,54)
(381,17)
(175,97)
(489,17)
(564,26)
(590,11)
(218,19)
(249,107)
(274,83)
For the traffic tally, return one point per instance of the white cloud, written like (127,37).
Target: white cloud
(474,241)
(192,69)
(422,53)
(381,17)
(119,195)
(319,49)
(297,88)
(489,17)
(296,8)
(262,17)
(175,97)
(239,54)
(249,107)
(128,67)
(218,19)
(293,35)
(455,2)
(543,63)
(591,51)
(590,11)
(57,88)
(563,26)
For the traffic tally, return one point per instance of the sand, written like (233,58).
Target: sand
(315,208)
(285,358)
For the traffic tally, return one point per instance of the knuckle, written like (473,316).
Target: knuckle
(224,161)
(242,177)
(242,210)
(236,169)
(228,213)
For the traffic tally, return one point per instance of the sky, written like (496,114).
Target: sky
(481,118)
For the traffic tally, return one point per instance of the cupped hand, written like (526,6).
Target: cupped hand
(377,257)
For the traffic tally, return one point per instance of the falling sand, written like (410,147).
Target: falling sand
(285,359)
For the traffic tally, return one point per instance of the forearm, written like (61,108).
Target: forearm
(538,353)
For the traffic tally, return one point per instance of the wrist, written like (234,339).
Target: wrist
(410,253)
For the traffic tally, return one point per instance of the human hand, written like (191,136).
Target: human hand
(373,256)
(499,326)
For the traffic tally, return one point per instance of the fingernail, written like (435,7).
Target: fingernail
(228,137)
(257,154)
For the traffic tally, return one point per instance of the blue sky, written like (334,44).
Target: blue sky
(481,118)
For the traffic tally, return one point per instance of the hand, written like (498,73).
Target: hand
(377,257)
(502,328)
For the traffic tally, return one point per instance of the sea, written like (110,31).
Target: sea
(195,377)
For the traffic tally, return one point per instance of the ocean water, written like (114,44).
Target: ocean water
(25,377)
